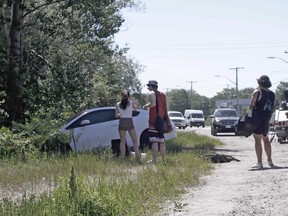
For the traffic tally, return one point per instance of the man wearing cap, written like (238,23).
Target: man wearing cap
(263,100)
(156,137)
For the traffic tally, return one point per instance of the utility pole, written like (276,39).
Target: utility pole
(191,82)
(237,96)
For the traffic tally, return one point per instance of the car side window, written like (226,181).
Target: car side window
(95,117)
(135,113)
(217,114)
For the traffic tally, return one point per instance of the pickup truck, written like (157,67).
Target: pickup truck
(279,123)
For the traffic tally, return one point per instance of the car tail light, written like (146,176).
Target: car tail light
(281,123)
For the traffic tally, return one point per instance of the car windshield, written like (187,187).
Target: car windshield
(197,115)
(175,115)
(226,113)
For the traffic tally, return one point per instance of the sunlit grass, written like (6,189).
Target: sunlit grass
(100,184)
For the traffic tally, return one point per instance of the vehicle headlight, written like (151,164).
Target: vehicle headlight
(217,120)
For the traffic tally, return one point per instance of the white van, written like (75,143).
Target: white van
(194,117)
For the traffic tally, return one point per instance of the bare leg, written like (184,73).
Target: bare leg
(154,152)
(258,147)
(122,142)
(163,151)
(267,147)
(133,135)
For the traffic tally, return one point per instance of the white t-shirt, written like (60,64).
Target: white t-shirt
(125,113)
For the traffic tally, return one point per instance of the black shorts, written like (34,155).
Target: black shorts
(264,126)
(155,136)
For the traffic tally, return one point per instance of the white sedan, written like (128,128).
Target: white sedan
(98,128)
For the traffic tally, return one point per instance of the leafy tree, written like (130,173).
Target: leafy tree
(280,92)
(178,100)
(56,54)
(246,92)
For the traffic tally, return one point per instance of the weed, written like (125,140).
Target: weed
(89,184)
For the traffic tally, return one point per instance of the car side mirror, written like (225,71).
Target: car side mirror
(85,122)
(211,116)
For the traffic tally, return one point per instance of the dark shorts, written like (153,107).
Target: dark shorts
(264,126)
(126,124)
(155,136)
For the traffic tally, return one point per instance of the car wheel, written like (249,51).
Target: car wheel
(213,132)
(144,141)
(280,140)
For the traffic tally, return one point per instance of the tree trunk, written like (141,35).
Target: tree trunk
(14,63)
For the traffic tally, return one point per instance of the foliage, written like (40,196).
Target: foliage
(228,93)
(180,99)
(101,185)
(57,55)
(22,141)
(246,92)
(280,92)
(15,145)
(190,141)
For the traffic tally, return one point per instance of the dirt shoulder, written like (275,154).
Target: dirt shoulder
(234,189)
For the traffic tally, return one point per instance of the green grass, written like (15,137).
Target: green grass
(100,184)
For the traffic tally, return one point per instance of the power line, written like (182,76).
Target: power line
(189,46)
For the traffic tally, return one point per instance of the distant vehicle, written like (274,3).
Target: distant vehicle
(98,128)
(224,120)
(194,118)
(178,119)
(279,124)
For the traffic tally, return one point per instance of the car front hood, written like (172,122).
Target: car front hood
(226,118)
(175,118)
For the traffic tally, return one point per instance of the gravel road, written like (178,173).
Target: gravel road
(233,188)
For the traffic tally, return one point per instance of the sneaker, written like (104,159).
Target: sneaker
(257,166)
(271,164)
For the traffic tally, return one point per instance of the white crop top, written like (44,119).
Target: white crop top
(125,113)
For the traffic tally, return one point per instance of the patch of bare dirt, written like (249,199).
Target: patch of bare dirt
(234,189)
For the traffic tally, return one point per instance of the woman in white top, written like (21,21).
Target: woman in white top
(123,111)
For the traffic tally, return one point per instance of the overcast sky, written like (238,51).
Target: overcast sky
(190,41)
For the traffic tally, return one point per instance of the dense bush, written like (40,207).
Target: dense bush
(22,141)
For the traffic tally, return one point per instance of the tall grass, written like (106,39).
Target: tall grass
(90,184)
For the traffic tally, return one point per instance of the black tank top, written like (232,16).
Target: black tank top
(266,104)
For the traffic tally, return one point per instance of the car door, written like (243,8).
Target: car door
(94,129)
